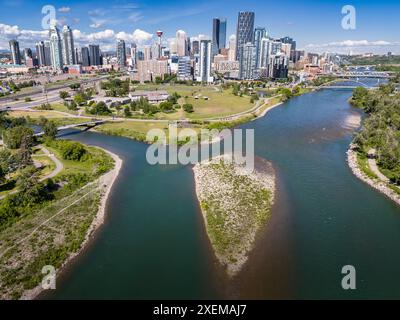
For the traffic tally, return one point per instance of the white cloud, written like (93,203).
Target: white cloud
(64,9)
(356,46)
(353,43)
(105,38)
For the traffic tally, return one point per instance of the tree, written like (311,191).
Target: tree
(127,112)
(64,95)
(14,137)
(188,108)
(79,99)
(50,130)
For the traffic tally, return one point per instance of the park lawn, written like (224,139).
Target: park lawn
(58,119)
(60,107)
(220,104)
(138,130)
(130,129)
(80,167)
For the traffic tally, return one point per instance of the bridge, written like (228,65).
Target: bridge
(88,125)
(363,74)
(357,83)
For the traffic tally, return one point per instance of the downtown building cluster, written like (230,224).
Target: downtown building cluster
(250,54)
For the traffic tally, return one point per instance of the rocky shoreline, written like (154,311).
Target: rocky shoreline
(374,183)
(235,204)
(106,183)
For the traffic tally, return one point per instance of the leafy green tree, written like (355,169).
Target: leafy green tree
(14,137)
(188,108)
(50,130)
(127,112)
(64,95)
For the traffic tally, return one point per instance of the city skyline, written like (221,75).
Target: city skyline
(138,22)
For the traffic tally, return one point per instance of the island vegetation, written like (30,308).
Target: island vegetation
(235,204)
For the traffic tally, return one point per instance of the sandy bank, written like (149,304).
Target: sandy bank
(374,183)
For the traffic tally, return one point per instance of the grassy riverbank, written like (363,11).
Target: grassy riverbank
(49,232)
(235,205)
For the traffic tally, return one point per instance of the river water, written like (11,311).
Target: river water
(153,244)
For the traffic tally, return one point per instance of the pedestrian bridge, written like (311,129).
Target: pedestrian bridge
(88,124)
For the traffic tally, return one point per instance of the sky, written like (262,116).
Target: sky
(315,25)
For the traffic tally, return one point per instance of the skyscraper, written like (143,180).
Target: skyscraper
(94,54)
(27,53)
(68,46)
(244,32)
(15,53)
(219,35)
(290,41)
(195,47)
(184,69)
(134,55)
(85,57)
(47,53)
(247,67)
(40,54)
(56,49)
(205,62)
(121,53)
(232,48)
(181,46)
(259,34)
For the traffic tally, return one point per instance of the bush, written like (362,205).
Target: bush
(70,150)
(188,108)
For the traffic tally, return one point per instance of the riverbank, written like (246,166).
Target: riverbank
(235,204)
(377,184)
(105,184)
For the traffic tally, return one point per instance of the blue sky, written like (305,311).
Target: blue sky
(316,25)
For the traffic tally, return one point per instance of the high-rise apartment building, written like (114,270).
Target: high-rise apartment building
(219,35)
(85,56)
(134,55)
(56,49)
(40,54)
(204,69)
(259,34)
(94,54)
(15,52)
(47,53)
(68,46)
(244,32)
(247,67)
(232,48)
(195,47)
(184,69)
(121,53)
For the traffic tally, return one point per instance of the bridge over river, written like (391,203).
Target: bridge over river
(88,124)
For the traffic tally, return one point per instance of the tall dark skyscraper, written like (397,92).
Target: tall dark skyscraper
(219,35)
(245,31)
(15,53)
(94,53)
(85,57)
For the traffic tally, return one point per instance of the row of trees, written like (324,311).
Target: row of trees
(381,130)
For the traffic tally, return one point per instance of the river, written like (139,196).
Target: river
(153,244)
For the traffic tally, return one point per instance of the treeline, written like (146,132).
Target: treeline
(381,129)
